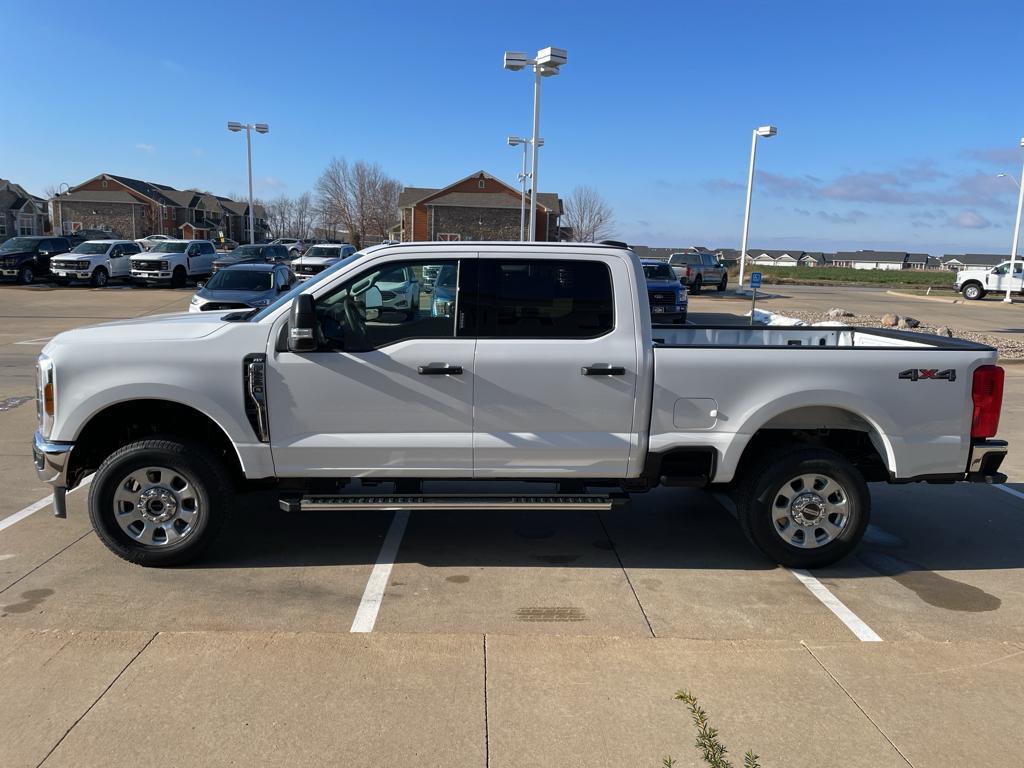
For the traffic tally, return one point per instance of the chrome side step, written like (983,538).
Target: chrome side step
(474,501)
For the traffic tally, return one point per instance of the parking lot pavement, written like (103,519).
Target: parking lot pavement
(501,639)
(218,699)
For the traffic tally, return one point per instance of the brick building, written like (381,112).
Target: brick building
(21,213)
(133,208)
(478,207)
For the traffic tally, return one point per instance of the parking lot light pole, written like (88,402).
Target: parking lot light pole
(547,64)
(515,141)
(1016,233)
(249,128)
(767,131)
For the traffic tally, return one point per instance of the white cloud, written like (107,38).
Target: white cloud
(147,148)
(970,220)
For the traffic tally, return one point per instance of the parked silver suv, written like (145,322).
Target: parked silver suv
(696,270)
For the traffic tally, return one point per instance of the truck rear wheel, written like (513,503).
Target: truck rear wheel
(807,508)
(159,502)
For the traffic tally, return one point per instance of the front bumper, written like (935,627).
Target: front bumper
(984,460)
(51,460)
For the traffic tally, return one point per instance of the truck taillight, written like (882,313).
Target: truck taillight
(987,394)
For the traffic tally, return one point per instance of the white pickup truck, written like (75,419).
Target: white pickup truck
(172,262)
(975,282)
(547,370)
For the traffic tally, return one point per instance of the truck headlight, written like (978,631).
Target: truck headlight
(45,394)
(163,265)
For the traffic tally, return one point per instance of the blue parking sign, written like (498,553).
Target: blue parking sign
(755,279)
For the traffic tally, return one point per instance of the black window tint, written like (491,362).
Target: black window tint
(346,324)
(207,248)
(545,298)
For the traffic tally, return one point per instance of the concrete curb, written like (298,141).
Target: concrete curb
(1010,361)
(925,298)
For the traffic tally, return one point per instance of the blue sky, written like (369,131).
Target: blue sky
(894,117)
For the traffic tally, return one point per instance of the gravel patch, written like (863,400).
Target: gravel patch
(1008,349)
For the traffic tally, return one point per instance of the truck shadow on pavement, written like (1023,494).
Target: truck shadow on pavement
(915,529)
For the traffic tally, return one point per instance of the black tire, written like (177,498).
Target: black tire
(100,277)
(26,275)
(697,283)
(973,291)
(768,484)
(178,277)
(724,284)
(204,472)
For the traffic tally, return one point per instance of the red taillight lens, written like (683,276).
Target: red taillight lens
(987,394)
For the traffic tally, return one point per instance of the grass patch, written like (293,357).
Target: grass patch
(826,275)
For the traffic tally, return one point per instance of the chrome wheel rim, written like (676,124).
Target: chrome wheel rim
(810,510)
(101,278)
(157,506)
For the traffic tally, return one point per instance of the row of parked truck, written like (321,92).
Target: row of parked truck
(166,262)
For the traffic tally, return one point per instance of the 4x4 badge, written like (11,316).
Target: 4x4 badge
(916,374)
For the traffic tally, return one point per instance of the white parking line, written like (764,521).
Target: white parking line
(40,342)
(834,604)
(820,591)
(1009,490)
(373,595)
(34,507)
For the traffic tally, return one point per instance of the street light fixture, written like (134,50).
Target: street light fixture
(1016,234)
(515,141)
(249,128)
(546,64)
(766,132)
(1009,176)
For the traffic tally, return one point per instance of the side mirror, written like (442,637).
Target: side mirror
(283,287)
(373,301)
(302,324)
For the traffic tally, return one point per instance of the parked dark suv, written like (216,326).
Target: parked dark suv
(699,270)
(254,254)
(28,258)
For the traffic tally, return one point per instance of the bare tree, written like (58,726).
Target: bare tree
(50,191)
(361,196)
(302,221)
(588,215)
(280,215)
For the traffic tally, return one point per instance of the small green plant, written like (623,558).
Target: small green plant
(707,738)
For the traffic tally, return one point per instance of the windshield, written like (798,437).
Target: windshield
(91,248)
(659,272)
(301,287)
(18,244)
(169,247)
(324,251)
(241,280)
(248,250)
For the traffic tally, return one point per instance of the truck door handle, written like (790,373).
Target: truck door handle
(603,369)
(439,369)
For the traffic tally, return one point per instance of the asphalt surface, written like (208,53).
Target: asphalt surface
(506,639)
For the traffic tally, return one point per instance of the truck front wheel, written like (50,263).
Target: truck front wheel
(159,502)
(973,291)
(178,277)
(807,508)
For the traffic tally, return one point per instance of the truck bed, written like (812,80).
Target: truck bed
(803,336)
(910,392)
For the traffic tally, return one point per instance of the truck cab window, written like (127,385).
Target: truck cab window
(545,298)
(380,307)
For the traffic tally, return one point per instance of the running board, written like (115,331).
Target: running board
(476,502)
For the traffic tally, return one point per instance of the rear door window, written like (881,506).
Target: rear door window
(544,298)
